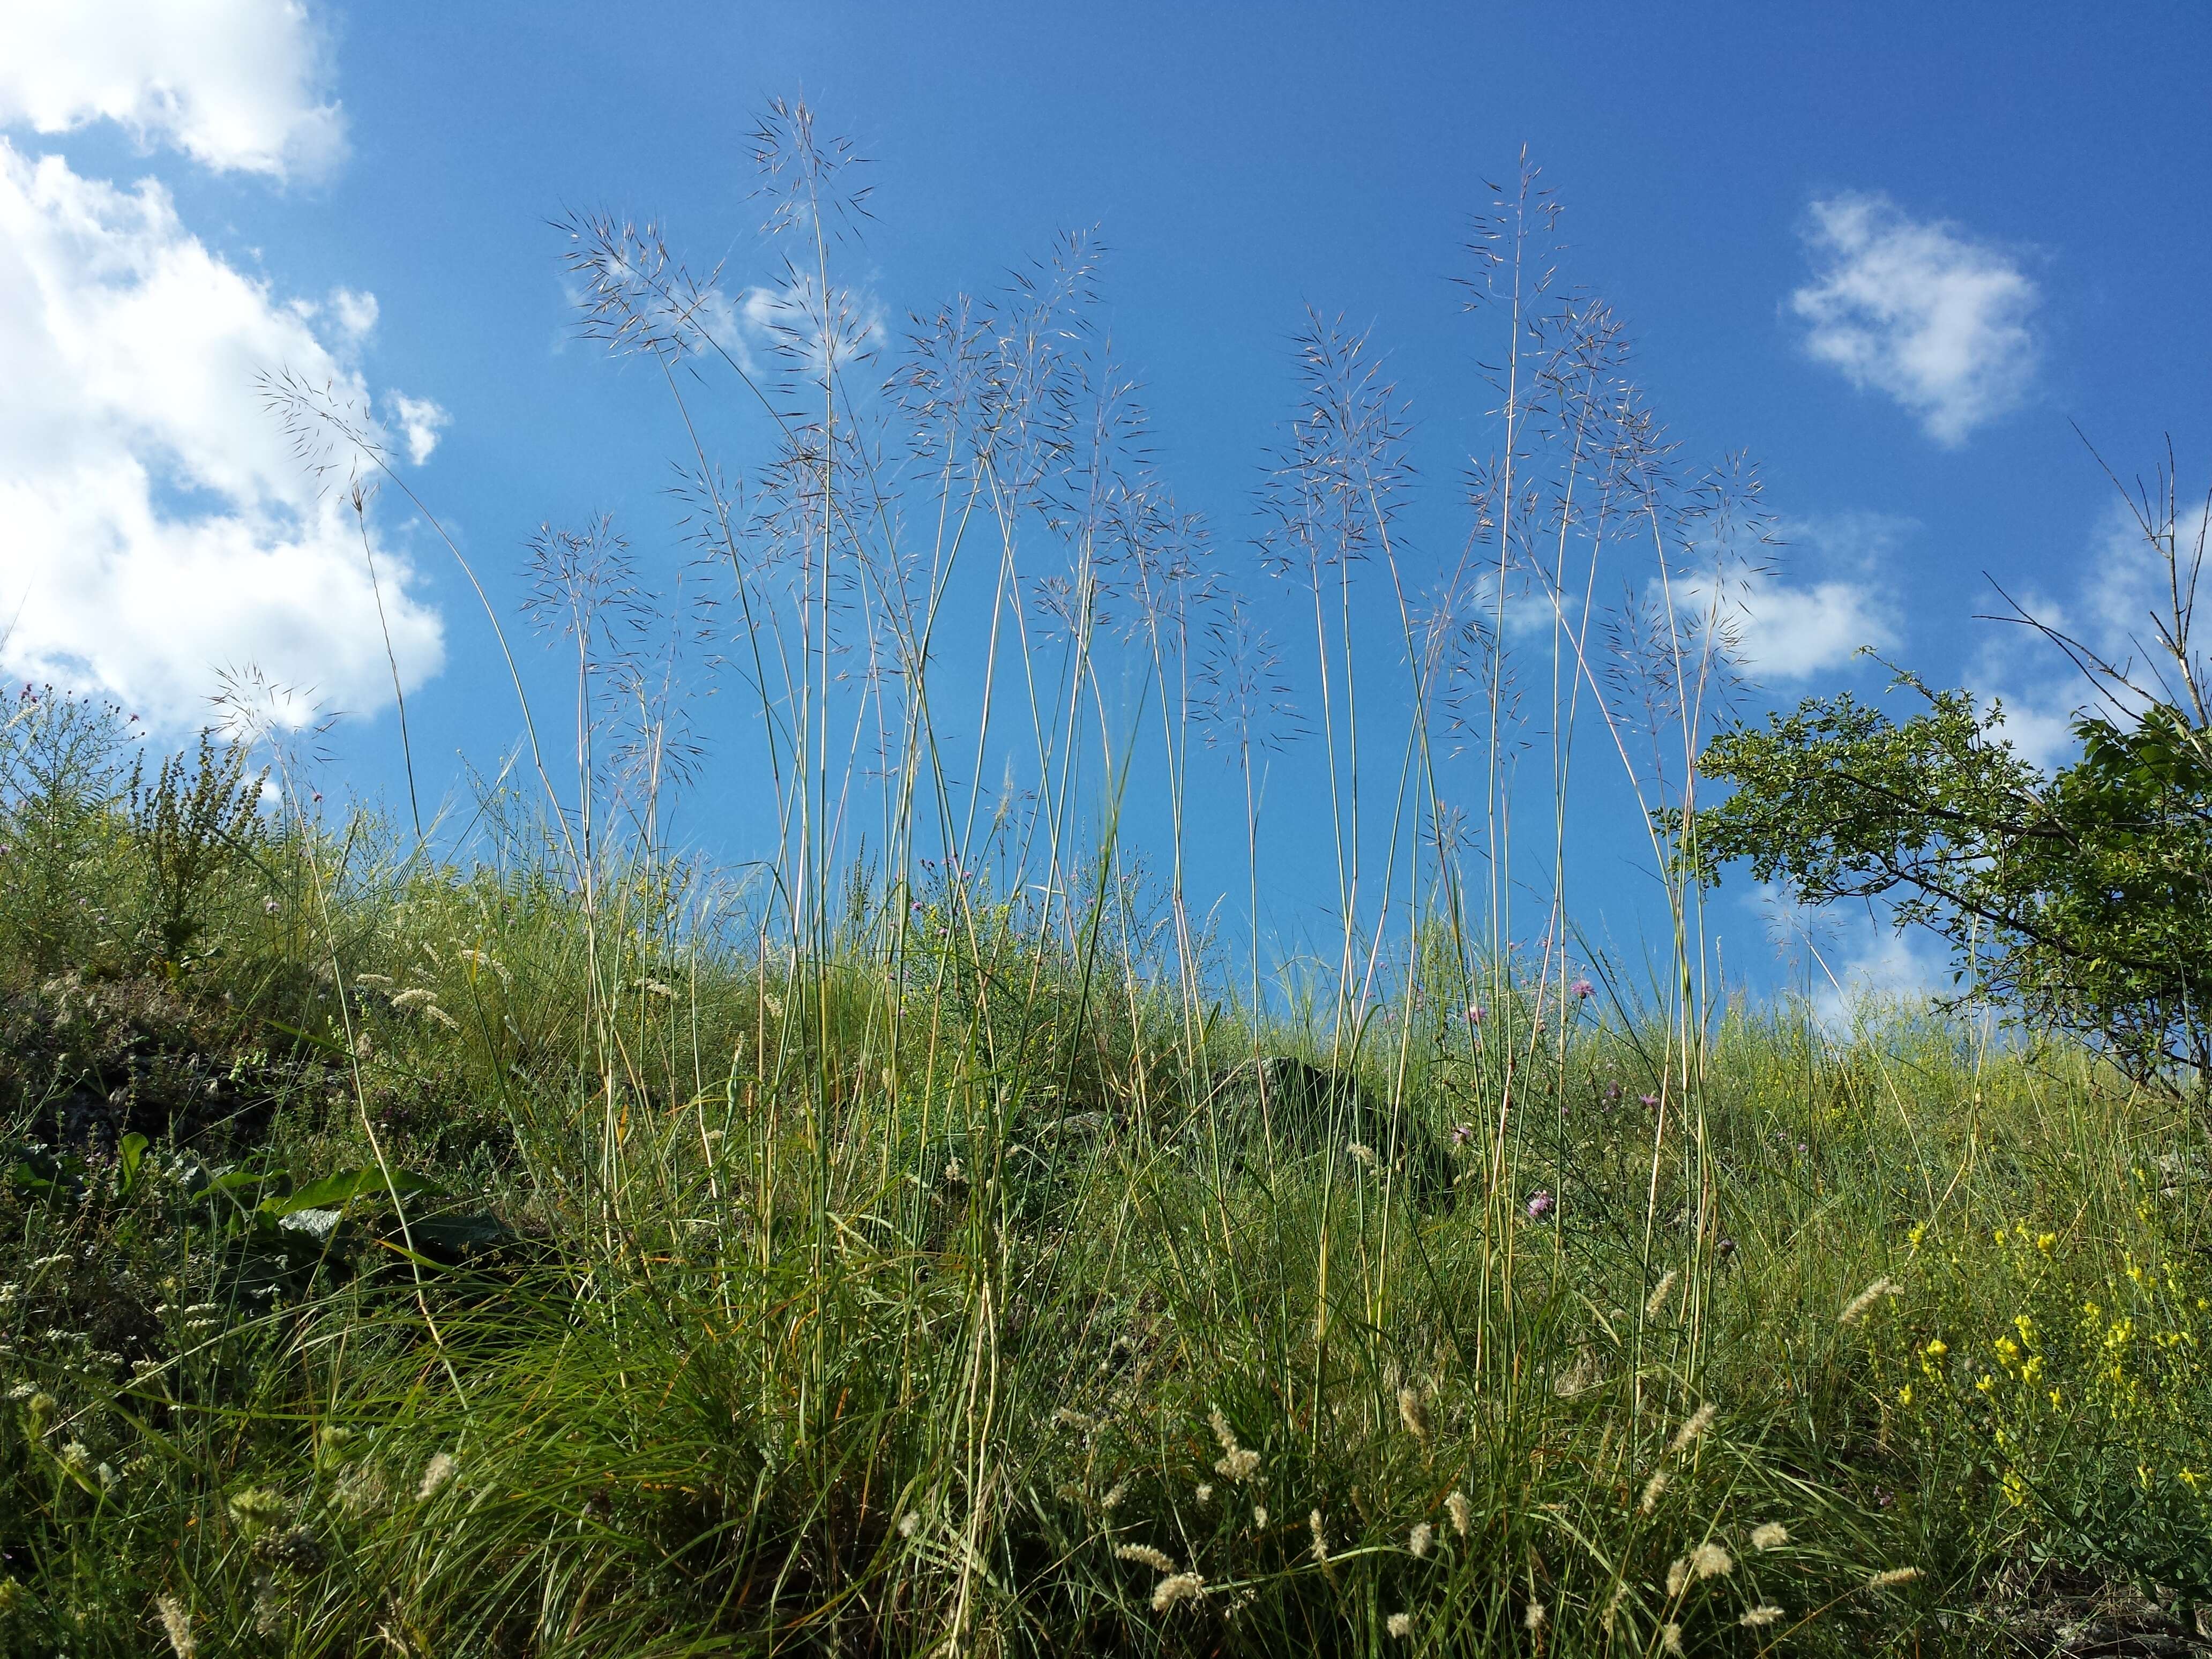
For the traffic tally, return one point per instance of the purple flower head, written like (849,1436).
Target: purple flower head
(1542,1205)
(1461,1133)
(1474,1014)
(1582,988)
(1647,1100)
(1612,1093)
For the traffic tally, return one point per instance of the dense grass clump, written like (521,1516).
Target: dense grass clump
(425,1263)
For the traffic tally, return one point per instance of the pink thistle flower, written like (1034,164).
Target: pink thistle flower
(1542,1205)
(1583,989)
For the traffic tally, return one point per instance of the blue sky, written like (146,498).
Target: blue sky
(1891,252)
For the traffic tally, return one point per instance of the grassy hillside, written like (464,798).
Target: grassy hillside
(438,1261)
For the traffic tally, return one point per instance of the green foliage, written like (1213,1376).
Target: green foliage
(2083,898)
(189,826)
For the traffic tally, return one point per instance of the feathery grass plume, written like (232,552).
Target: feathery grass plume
(1769,1535)
(1114,1494)
(1259,1517)
(1678,1577)
(1204,1493)
(1461,1510)
(1855,1309)
(1068,1418)
(1418,1541)
(1612,1606)
(1760,1617)
(1891,1577)
(1670,1641)
(1180,1586)
(909,1524)
(1653,1489)
(1400,1626)
(1532,1619)
(407,1001)
(436,1473)
(437,1016)
(1410,1413)
(1712,1560)
(1699,1421)
(1660,1292)
(176,1625)
(1363,1155)
(1237,1462)
(1320,1538)
(375,981)
(1145,1555)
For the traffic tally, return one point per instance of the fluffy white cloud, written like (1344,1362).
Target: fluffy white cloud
(421,420)
(1918,310)
(1831,596)
(155,526)
(235,84)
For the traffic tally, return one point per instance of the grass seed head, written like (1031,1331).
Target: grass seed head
(1145,1555)
(1179,1587)
(1670,1641)
(1699,1421)
(1461,1510)
(1855,1309)
(1400,1626)
(177,1625)
(1320,1538)
(1769,1535)
(1410,1415)
(1653,1489)
(1760,1617)
(1891,1577)
(1419,1541)
(436,1473)
(1710,1560)
(1660,1292)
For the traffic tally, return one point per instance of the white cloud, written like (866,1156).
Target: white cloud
(420,422)
(235,84)
(155,524)
(1851,960)
(1832,594)
(354,312)
(1919,310)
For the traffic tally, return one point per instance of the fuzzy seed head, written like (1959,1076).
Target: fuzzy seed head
(1320,1538)
(1178,1586)
(1145,1555)
(908,1524)
(1653,1489)
(1893,1577)
(1410,1413)
(1670,1641)
(1660,1292)
(1855,1309)
(1400,1626)
(1700,1421)
(1534,1618)
(1678,1577)
(1418,1541)
(1769,1535)
(177,1625)
(1709,1560)
(1461,1510)
(1760,1617)
(436,1473)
